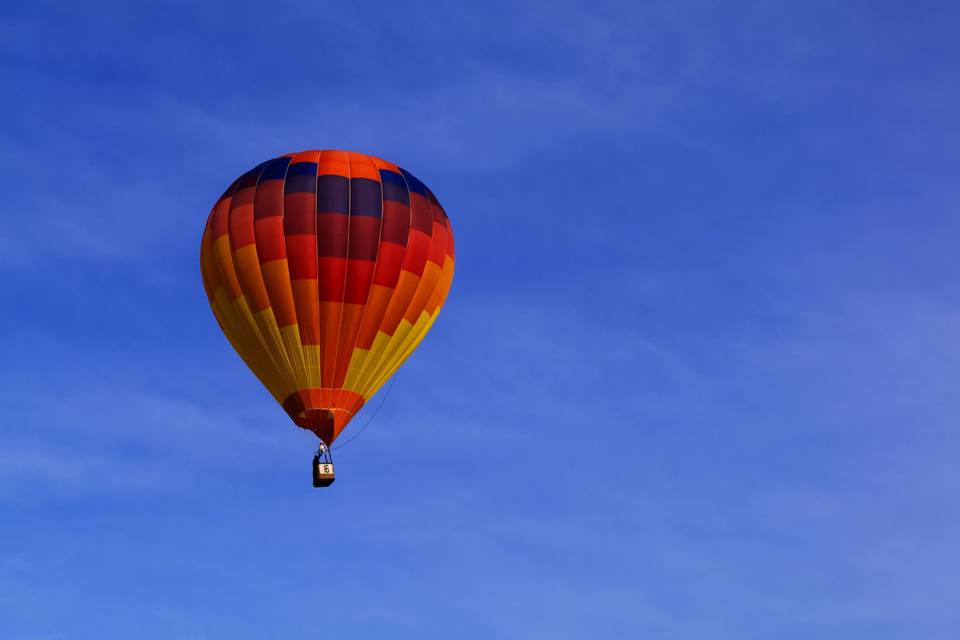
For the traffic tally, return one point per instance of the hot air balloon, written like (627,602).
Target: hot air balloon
(325,270)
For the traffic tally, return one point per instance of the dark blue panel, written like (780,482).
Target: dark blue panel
(390,177)
(333,194)
(299,184)
(414,185)
(230,190)
(256,170)
(365,197)
(249,179)
(303,169)
(301,178)
(276,169)
(394,187)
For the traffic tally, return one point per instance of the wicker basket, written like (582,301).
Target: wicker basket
(322,473)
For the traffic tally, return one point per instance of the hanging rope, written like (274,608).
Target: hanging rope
(367,423)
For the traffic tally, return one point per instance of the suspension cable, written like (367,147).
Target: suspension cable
(367,423)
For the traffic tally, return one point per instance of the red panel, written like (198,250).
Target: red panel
(449,240)
(359,277)
(418,248)
(438,244)
(389,261)
(271,243)
(332,272)
(269,199)
(220,218)
(241,225)
(420,216)
(245,195)
(396,222)
(299,213)
(302,256)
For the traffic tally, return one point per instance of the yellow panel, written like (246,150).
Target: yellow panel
(267,324)
(280,383)
(223,257)
(355,370)
(382,346)
(291,343)
(404,349)
(389,352)
(248,345)
(311,365)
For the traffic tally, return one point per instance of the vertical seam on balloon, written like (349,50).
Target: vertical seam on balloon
(253,321)
(405,347)
(370,356)
(399,350)
(252,328)
(244,329)
(232,191)
(414,341)
(376,260)
(439,283)
(285,357)
(206,246)
(369,376)
(256,244)
(286,254)
(237,332)
(316,256)
(346,271)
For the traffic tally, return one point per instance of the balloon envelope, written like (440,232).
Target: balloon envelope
(325,270)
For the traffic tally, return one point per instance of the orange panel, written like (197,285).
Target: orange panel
(349,330)
(431,275)
(373,316)
(304,156)
(208,266)
(308,310)
(362,167)
(334,163)
(248,271)
(224,260)
(383,164)
(329,334)
(398,304)
(276,278)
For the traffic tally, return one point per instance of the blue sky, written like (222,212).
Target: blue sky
(696,377)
